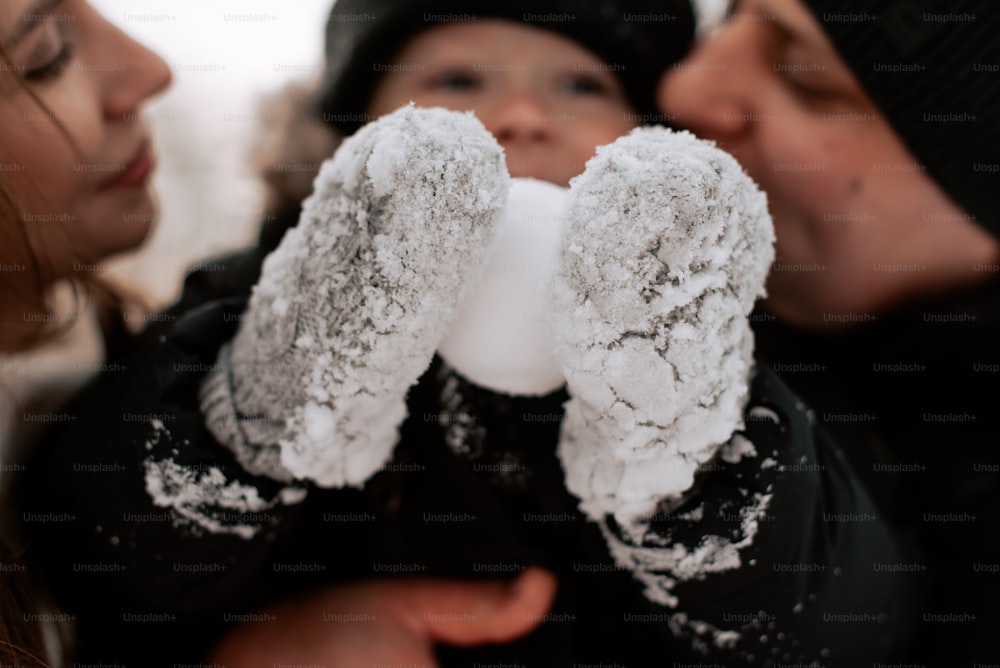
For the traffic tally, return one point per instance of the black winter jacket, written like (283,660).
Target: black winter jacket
(474,490)
(918,387)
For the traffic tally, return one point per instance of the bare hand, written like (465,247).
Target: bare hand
(389,622)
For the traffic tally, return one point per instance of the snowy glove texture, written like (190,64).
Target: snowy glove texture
(352,305)
(667,246)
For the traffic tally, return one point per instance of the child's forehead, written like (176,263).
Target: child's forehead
(487,37)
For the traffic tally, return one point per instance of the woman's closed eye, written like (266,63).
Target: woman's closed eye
(53,67)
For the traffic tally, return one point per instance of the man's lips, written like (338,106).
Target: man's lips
(135,172)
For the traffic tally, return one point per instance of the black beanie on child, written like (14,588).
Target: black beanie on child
(639,38)
(933,69)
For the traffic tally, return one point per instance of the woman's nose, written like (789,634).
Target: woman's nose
(145,74)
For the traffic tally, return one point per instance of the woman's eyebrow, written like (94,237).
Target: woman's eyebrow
(31,19)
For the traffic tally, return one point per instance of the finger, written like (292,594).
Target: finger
(474,613)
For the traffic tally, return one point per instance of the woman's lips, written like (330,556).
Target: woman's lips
(135,173)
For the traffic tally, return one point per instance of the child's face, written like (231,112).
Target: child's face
(548,101)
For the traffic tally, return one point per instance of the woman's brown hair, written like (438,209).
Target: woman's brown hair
(28,271)
(27,277)
(22,640)
(31,270)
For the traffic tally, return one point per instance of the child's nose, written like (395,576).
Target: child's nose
(522,119)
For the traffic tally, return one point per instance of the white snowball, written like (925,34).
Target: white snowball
(500,339)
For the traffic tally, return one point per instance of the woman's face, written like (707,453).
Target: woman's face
(859,224)
(79,163)
(547,100)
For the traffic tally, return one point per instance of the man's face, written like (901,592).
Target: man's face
(860,225)
(549,102)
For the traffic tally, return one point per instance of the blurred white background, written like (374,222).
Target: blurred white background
(225,54)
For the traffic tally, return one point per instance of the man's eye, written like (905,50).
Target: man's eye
(808,90)
(456,81)
(53,68)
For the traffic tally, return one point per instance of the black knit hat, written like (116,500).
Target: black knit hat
(933,68)
(642,37)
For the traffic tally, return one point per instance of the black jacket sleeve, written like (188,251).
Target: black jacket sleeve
(780,556)
(143,581)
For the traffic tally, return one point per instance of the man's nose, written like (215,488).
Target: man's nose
(710,92)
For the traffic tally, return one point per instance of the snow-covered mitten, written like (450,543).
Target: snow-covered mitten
(667,246)
(352,305)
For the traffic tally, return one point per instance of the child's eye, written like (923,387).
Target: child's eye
(585,85)
(456,81)
(53,68)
